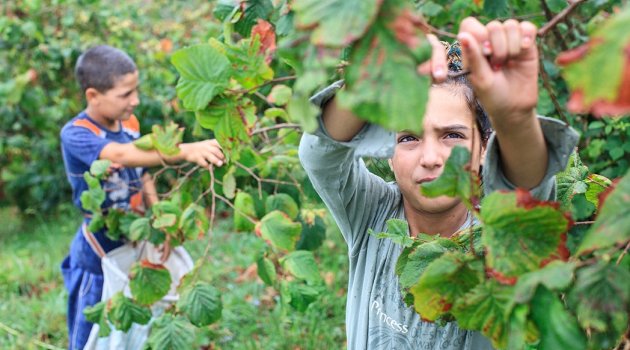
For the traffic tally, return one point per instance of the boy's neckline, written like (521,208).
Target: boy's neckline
(101,126)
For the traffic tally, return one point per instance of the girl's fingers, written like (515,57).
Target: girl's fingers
(513,35)
(499,44)
(438,59)
(475,61)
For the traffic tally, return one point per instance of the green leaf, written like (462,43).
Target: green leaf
(92,198)
(382,83)
(98,314)
(140,229)
(220,107)
(495,8)
(397,231)
(558,328)
(595,70)
(313,231)
(519,232)
(571,181)
(600,298)
(232,135)
(205,72)
(165,220)
(249,68)
(445,281)
(229,183)
(280,95)
(148,282)
(337,22)
(171,332)
(97,222)
(243,208)
(201,304)
(112,221)
(166,139)
(414,261)
(145,143)
(299,295)
(125,223)
(557,275)
(266,271)
(486,308)
(455,180)
(303,112)
(613,221)
(279,230)
(122,312)
(302,265)
(99,168)
(596,185)
(194,223)
(284,203)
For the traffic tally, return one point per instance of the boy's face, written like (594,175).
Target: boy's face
(448,122)
(116,103)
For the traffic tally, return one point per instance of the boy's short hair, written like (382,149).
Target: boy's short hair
(100,67)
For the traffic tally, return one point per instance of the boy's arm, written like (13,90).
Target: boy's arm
(203,153)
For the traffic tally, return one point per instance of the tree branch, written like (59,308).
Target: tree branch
(559,17)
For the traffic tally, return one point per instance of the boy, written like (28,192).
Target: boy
(503,63)
(105,130)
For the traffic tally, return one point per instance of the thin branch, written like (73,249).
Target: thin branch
(559,17)
(276,127)
(584,223)
(625,251)
(556,33)
(181,182)
(277,80)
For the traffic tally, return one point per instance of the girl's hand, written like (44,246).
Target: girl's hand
(503,62)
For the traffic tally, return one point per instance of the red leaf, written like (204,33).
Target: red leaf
(267,38)
(150,265)
(407,26)
(501,278)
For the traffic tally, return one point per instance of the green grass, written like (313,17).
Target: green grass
(33,298)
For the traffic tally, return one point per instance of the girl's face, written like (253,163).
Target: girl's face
(448,122)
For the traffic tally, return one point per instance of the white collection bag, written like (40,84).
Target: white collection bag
(116,265)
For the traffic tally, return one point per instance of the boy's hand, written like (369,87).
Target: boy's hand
(203,153)
(503,63)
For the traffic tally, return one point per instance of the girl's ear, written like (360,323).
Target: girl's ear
(391,164)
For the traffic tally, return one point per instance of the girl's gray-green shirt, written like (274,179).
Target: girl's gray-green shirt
(376,316)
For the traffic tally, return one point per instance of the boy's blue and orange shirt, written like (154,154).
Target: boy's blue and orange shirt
(82,140)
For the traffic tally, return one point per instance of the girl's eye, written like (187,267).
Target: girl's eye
(454,135)
(407,138)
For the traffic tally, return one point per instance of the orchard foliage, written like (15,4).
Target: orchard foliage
(531,274)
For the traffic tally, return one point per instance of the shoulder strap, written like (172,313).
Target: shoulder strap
(91,239)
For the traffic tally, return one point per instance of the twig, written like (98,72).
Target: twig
(276,127)
(625,251)
(439,32)
(277,80)
(559,17)
(260,179)
(584,223)
(547,85)
(181,181)
(227,201)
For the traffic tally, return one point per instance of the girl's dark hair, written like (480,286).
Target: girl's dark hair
(454,60)
(100,67)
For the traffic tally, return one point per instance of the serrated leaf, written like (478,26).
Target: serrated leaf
(253,10)
(112,221)
(166,139)
(243,208)
(444,281)
(382,83)
(148,282)
(486,308)
(284,203)
(556,276)
(140,229)
(595,70)
(165,220)
(300,110)
(337,22)
(201,304)
(205,72)
(232,135)
(266,271)
(520,232)
(93,198)
(397,231)
(145,143)
(419,257)
(98,314)
(249,67)
(455,180)
(280,95)
(279,230)
(612,225)
(596,185)
(558,328)
(600,298)
(194,223)
(99,168)
(229,183)
(313,233)
(122,312)
(299,295)
(97,222)
(171,332)
(301,264)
